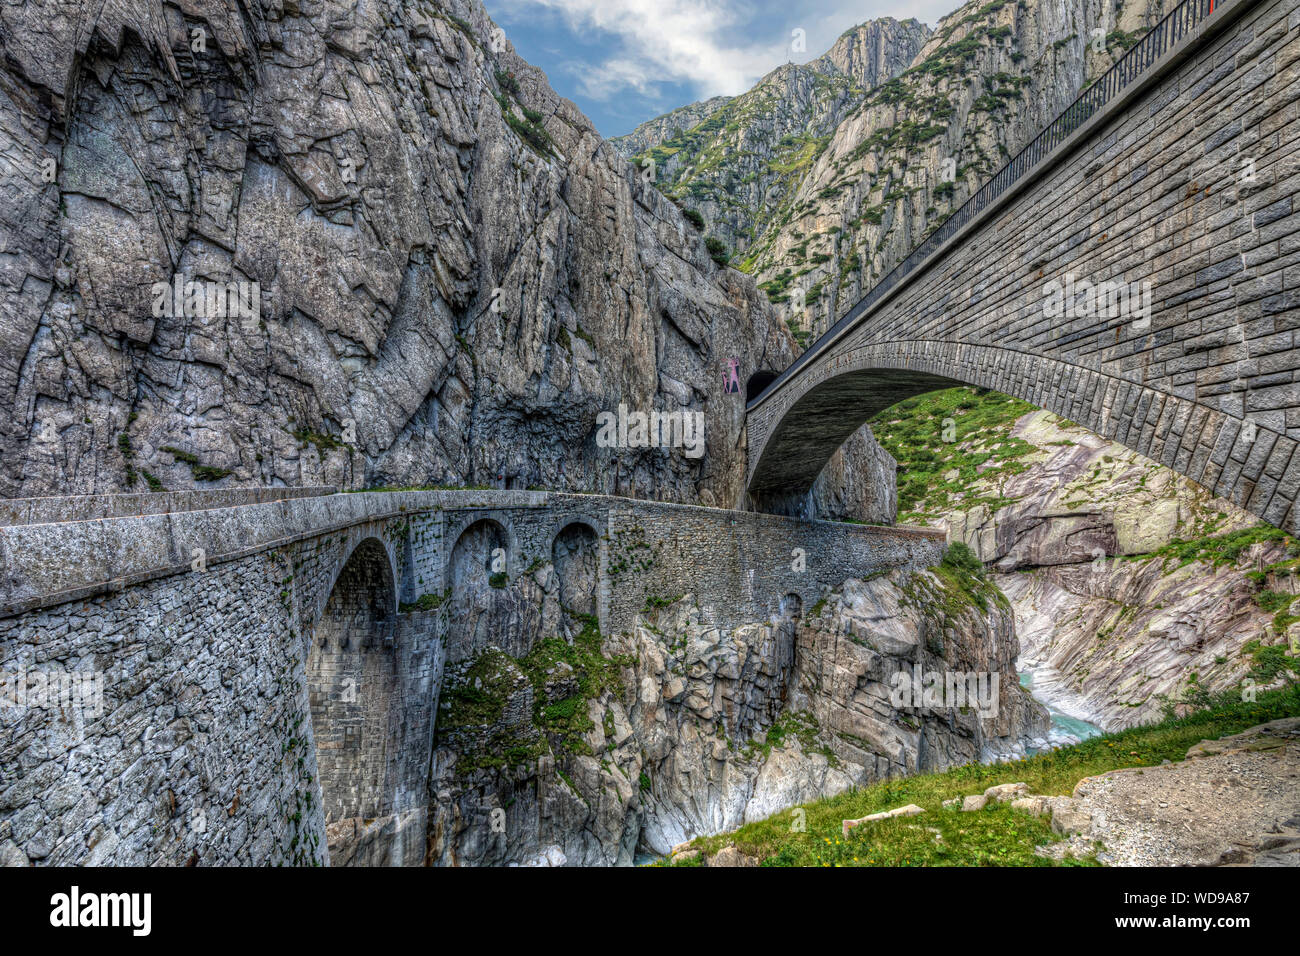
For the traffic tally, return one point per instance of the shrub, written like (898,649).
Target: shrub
(960,557)
(717,250)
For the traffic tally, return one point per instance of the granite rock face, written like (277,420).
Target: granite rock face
(403,258)
(1080,497)
(1112,643)
(708,728)
(1128,590)
(734,159)
(883,149)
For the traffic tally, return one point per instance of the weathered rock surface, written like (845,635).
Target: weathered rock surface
(454,273)
(1112,645)
(714,728)
(1233,801)
(828,208)
(1081,497)
(734,159)
(1109,629)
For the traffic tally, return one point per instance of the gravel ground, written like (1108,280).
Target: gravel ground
(1234,801)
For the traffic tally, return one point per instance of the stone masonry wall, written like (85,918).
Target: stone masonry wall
(201,749)
(229,731)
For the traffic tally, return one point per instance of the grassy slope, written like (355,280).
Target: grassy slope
(997,836)
(978,423)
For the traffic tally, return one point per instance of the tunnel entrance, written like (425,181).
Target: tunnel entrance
(757,382)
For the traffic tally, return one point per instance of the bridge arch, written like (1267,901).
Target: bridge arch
(352,677)
(576,558)
(364,593)
(794,432)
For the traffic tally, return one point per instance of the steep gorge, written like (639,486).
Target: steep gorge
(442,273)
(593,750)
(1133,588)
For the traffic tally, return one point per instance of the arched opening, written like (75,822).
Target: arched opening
(352,678)
(791,607)
(757,382)
(822,419)
(478,576)
(575,555)
(363,595)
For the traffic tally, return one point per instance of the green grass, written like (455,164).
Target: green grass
(1223,549)
(425,602)
(200,472)
(997,836)
(973,442)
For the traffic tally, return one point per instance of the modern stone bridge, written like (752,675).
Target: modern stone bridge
(270,661)
(1180,169)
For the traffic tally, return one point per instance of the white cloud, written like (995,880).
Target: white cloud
(717,47)
(711,45)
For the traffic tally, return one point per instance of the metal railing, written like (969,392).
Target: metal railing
(1139,58)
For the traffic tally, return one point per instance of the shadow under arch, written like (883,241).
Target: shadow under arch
(352,678)
(820,421)
(575,556)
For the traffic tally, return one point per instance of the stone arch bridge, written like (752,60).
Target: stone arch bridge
(1174,176)
(268,662)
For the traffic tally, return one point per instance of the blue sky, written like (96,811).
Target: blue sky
(625,61)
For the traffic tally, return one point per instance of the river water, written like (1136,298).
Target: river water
(1065,729)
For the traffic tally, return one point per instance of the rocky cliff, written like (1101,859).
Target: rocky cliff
(340,244)
(1133,588)
(589,750)
(822,212)
(735,160)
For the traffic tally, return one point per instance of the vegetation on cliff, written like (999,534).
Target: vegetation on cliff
(475,718)
(946,442)
(1139,584)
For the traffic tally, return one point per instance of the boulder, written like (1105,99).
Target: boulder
(730,856)
(1034,804)
(1007,791)
(1069,818)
